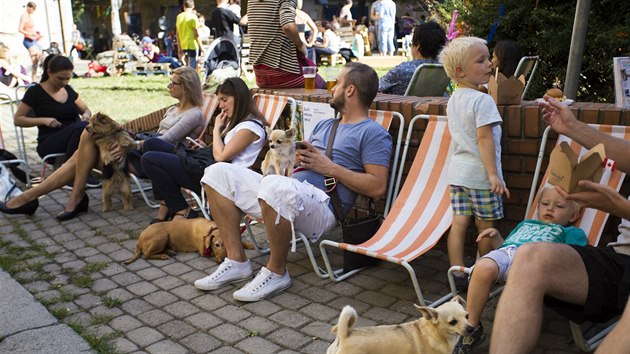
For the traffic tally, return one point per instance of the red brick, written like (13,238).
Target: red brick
(590,116)
(521,147)
(513,180)
(511,164)
(532,122)
(513,123)
(611,116)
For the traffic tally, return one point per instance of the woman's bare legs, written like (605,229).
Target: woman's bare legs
(87,153)
(62,176)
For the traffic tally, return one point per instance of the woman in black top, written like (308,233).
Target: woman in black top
(58,112)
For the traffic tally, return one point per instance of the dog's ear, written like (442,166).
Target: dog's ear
(268,130)
(458,299)
(290,133)
(429,313)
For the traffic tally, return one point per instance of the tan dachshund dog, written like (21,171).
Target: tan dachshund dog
(160,240)
(436,332)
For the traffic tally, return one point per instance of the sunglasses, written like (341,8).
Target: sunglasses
(173,83)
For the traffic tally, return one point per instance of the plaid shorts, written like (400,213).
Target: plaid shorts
(481,203)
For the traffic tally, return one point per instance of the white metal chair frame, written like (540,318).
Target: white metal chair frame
(524,68)
(338,275)
(20,160)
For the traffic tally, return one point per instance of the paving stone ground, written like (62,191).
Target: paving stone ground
(151,306)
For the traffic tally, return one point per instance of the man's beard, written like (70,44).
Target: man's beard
(338,104)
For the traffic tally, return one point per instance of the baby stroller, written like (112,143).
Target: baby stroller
(223,57)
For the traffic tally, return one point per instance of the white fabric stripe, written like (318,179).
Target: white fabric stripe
(403,217)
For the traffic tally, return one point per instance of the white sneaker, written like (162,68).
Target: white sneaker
(228,272)
(264,284)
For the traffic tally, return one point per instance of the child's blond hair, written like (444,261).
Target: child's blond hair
(455,54)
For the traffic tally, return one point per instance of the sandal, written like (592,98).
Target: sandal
(190,215)
(169,216)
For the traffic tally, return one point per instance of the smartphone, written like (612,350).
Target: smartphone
(192,141)
(300,145)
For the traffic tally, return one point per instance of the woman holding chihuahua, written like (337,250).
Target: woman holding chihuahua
(238,136)
(183,120)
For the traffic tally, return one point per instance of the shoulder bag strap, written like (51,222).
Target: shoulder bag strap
(334,196)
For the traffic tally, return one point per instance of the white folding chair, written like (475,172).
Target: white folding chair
(19,160)
(526,67)
(420,214)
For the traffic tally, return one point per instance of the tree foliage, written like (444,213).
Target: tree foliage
(545,29)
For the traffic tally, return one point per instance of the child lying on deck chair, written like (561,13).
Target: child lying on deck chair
(555,214)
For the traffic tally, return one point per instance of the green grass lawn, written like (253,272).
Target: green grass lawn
(128,97)
(124,98)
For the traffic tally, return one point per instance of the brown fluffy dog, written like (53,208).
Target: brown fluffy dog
(162,239)
(436,332)
(105,132)
(280,157)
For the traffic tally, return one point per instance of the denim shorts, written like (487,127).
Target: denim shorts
(28,43)
(480,203)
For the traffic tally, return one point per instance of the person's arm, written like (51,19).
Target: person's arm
(494,235)
(22,120)
(487,151)
(311,24)
(289,27)
(371,183)
(388,81)
(290,30)
(191,120)
(599,196)
(562,120)
(239,142)
(8,70)
(180,50)
(84,111)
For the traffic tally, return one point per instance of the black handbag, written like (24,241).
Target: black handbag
(355,231)
(195,160)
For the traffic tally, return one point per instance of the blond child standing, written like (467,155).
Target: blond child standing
(555,215)
(474,171)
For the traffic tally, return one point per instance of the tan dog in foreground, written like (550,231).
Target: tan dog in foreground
(162,239)
(436,332)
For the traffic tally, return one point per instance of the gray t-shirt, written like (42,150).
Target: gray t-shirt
(467,110)
(176,125)
(355,145)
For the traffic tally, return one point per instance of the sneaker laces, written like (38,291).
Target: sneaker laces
(223,268)
(259,281)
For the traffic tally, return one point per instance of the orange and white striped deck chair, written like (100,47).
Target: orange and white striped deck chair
(271,107)
(592,221)
(421,213)
(385,119)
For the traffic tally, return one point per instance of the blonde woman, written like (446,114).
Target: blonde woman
(10,75)
(183,120)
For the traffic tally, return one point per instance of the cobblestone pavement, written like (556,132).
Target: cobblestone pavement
(153,307)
